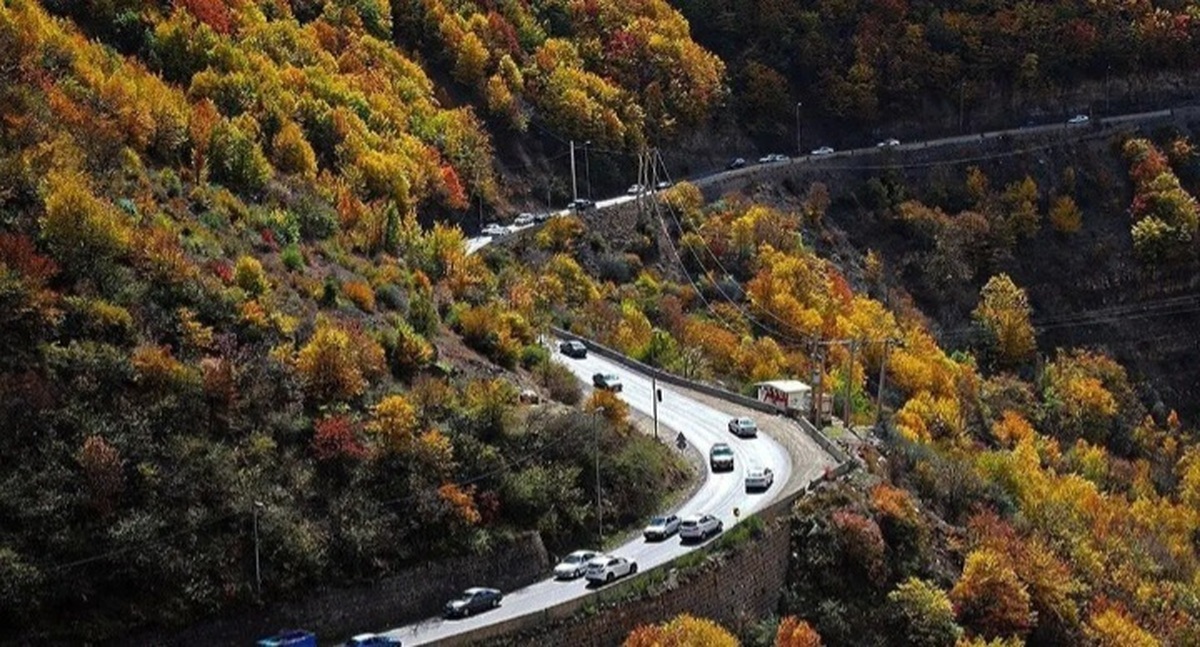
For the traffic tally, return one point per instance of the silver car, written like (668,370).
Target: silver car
(660,528)
(699,527)
(824,150)
(743,427)
(574,565)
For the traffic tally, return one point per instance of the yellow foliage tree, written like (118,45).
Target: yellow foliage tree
(615,409)
(292,153)
(81,230)
(1003,313)
(1112,627)
(681,631)
(395,421)
(336,364)
(989,598)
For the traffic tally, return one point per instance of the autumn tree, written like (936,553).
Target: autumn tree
(1021,200)
(1111,626)
(681,631)
(84,232)
(292,153)
(102,467)
(336,437)
(336,363)
(989,598)
(1065,215)
(923,614)
(794,632)
(1003,315)
(396,423)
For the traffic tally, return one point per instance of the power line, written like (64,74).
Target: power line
(716,285)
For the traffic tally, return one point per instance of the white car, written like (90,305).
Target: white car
(635,189)
(743,427)
(664,184)
(699,527)
(1079,119)
(574,565)
(494,229)
(660,528)
(525,219)
(888,143)
(373,640)
(824,150)
(606,568)
(759,478)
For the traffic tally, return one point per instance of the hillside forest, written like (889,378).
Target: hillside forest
(233,289)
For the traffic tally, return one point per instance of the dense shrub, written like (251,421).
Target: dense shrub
(560,382)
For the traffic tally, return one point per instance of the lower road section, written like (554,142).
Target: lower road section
(702,426)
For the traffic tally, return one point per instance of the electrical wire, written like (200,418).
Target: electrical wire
(677,219)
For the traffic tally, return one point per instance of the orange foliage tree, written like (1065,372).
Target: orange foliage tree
(681,631)
(794,632)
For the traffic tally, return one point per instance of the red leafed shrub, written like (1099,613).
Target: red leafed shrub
(223,269)
(268,239)
(337,437)
(20,254)
(213,13)
(456,196)
(862,541)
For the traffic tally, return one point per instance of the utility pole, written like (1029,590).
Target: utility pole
(799,148)
(1107,78)
(962,86)
(574,189)
(257,563)
(849,380)
(587,167)
(654,397)
(887,345)
(820,352)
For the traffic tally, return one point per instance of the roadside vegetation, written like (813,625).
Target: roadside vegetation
(1014,499)
(217,308)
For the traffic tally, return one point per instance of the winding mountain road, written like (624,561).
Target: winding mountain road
(703,426)
(1068,130)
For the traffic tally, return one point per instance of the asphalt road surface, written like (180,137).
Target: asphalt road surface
(703,426)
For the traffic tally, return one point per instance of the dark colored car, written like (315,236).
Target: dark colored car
(607,382)
(735,163)
(581,204)
(473,600)
(575,349)
(290,638)
(720,457)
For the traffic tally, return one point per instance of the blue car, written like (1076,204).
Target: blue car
(292,638)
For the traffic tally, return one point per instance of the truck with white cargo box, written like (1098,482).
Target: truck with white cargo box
(793,398)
